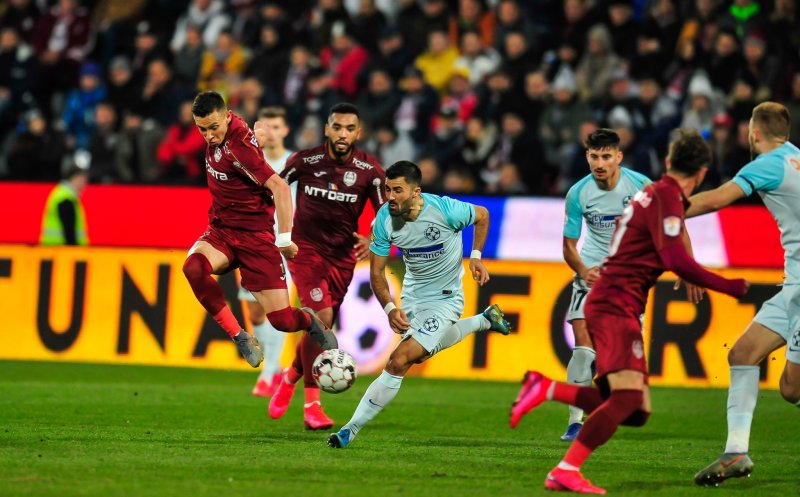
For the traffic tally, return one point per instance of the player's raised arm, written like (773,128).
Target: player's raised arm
(476,267)
(282,195)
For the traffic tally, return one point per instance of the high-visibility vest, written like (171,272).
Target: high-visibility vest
(52,229)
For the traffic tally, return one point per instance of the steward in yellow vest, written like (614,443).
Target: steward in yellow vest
(64,221)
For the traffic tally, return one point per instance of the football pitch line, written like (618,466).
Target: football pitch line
(100,430)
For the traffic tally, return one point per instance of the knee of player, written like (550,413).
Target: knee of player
(740,356)
(191,268)
(398,364)
(790,392)
(638,418)
(257,319)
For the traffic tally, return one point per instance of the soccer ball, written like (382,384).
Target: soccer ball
(334,370)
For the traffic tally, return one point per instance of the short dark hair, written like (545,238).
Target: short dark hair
(271,112)
(207,102)
(405,169)
(602,138)
(772,119)
(344,108)
(689,152)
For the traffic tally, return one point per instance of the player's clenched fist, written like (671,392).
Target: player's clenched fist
(289,251)
(399,321)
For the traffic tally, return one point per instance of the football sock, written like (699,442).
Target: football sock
(197,270)
(602,423)
(378,395)
(312,395)
(289,319)
(579,372)
(292,376)
(307,350)
(586,398)
(742,396)
(271,341)
(462,328)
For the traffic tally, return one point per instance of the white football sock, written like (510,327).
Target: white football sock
(377,396)
(579,372)
(742,397)
(461,329)
(271,342)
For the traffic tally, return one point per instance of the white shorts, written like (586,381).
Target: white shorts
(430,319)
(781,314)
(578,300)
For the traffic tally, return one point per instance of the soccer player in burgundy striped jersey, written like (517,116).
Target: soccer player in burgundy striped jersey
(245,192)
(648,241)
(334,182)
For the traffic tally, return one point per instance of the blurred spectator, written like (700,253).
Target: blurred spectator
(762,67)
(537,94)
(22,16)
(520,59)
(472,15)
(740,152)
(225,62)
(105,166)
(565,56)
(460,95)
(17,77)
(160,96)
(410,23)
(367,25)
(209,15)
(309,133)
(189,58)
(447,138)
(389,146)
(431,174)
(480,140)
(379,102)
(479,59)
(80,105)
(324,17)
(509,181)
(637,154)
(511,18)
(496,96)
(115,24)
(701,105)
(123,90)
(742,17)
(623,28)
(64,220)
(721,143)
(561,120)
(437,63)
(700,29)
(246,99)
(655,115)
(392,55)
(37,151)
(596,66)
(148,47)
(519,145)
(417,106)
(293,88)
(62,39)
(577,20)
(456,181)
(725,61)
(783,31)
(741,99)
(436,16)
(138,141)
(343,58)
(794,108)
(319,96)
(270,62)
(246,22)
(181,153)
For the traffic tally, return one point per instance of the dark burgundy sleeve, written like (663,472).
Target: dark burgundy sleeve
(293,168)
(248,157)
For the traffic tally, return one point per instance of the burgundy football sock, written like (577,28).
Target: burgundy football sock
(308,350)
(585,397)
(289,319)
(208,292)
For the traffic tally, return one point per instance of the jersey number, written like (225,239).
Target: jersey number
(577,298)
(627,214)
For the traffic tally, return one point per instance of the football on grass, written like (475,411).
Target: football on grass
(334,370)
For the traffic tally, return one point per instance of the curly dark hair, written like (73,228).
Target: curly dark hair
(689,152)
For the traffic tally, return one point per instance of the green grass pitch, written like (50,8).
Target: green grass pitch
(94,430)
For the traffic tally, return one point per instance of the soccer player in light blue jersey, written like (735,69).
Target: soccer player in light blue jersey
(598,199)
(775,175)
(427,230)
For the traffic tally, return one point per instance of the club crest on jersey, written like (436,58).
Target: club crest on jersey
(349,178)
(638,349)
(432,233)
(316,294)
(626,200)
(672,226)
(218,154)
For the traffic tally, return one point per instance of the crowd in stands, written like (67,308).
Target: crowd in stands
(488,96)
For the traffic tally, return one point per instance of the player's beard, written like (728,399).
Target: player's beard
(340,155)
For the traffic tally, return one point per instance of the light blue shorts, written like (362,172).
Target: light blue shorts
(578,300)
(781,314)
(430,319)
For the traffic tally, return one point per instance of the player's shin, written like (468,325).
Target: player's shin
(271,341)
(742,397)
(463,328)
(377,396)
(289,319)
(579,372)
(197,270)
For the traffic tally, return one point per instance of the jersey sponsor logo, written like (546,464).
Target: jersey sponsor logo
(672,225)
(638,349)
(349,178)
(320,173)
(313,159)
(337,196)
(216,174)
(316,294)
(643,198)
(432,233)
(601,221)
(218,154)
(431,252)
(361,164)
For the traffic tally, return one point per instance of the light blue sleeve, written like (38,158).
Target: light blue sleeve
(380,239)
(763,174)
(458,214)
(639,179)
(573,215)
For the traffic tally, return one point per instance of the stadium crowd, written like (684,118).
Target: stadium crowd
(487,96)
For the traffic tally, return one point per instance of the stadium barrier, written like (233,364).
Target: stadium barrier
(134,306)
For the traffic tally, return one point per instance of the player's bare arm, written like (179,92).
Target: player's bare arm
(361,246)
(694,293)
(282,195)
(476,267)
(380,287)
(714,200)
(573,259)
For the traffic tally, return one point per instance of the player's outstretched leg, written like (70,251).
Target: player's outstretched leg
(320,333)
(532,394)
(570,481)
(494,314)
(248,348)
(728,465)
(280,400)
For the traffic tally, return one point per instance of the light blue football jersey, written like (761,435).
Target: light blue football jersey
(431,246)
(599,208)
(776,177)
